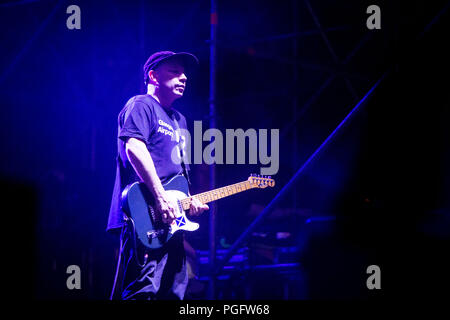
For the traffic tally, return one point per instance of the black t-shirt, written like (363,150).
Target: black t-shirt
(145,119)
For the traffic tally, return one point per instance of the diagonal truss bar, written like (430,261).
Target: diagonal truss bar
(330,48)
(313,98)
(30,42)
(360,44)
(17,3)
(291,182)
(322,33)
(299,34)
(434,20)
(307,65)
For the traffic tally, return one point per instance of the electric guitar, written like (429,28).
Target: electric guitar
(138,205)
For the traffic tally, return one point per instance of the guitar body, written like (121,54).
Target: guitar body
(138,204)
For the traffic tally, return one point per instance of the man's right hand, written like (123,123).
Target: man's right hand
(165,208)
(142,162)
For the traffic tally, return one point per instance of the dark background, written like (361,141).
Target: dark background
(377,194)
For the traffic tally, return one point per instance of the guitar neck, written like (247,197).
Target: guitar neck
(218,193)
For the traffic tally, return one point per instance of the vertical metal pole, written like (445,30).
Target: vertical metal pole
(212,124)
(295,101)
(142,35)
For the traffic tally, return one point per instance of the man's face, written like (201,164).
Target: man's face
(171,79)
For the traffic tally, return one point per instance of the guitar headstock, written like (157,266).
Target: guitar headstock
(259,181)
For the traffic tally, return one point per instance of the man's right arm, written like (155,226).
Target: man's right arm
(142,163)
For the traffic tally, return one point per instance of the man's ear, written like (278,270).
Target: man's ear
(152,77)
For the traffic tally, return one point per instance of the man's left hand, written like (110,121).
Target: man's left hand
(197,207)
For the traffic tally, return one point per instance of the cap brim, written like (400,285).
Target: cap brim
(189,60)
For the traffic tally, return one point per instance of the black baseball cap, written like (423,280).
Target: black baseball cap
(157,58)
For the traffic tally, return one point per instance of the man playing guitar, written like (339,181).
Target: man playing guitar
(146,138)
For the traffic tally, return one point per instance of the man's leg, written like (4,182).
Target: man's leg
(175,276)
(158,274)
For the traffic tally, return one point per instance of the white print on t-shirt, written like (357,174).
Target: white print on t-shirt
(161,129)
(162,123)
(165,131)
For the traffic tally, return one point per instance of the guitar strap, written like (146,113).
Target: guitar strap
(180,149)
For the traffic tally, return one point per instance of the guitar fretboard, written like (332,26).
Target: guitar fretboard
(218,193)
